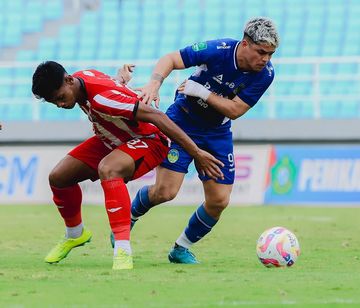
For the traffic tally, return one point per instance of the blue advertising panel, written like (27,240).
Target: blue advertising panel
(314,174)
(20,174)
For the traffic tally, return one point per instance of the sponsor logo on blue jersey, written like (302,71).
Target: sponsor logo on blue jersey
(219,78)
(223,46)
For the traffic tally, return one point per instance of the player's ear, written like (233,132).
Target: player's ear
(244,43)
(69,79)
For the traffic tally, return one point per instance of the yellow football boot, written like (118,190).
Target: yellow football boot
(122,260)
(62,249)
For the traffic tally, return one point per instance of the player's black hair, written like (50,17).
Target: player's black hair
(48,77)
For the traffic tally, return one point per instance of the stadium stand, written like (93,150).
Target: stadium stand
(114,32)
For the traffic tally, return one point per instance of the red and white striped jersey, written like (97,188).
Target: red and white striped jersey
(111,107)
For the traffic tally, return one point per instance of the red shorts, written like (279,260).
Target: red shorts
(147,153)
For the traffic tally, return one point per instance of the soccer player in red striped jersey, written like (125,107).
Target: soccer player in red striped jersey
(131,138)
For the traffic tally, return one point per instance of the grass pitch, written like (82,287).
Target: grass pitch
(327,272)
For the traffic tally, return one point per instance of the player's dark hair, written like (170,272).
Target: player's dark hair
(48,77)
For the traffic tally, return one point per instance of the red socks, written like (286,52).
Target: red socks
(118,204)
(68,201)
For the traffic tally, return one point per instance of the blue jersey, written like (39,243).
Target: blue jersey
(217,70)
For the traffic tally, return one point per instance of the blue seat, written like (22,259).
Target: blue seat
(14,5)
(105,53)
(34,17)
(88,43)
(259,111)
(111,5)
(350,108)
(16,110)
(21,91)
(5,92)
(54,9)
(329,109)
(46,51)
(294,110)
(50,112)
(46,54)
(86,53)
(336,109)
(23,73)
(4,111)
(12,32)
(64,52)
(131,30)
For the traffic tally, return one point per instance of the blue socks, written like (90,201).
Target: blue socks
(141,204)
(199,225)
(200,222)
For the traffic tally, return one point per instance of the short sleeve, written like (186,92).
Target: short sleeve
(116,103)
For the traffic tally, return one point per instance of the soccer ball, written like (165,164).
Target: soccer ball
(277,247)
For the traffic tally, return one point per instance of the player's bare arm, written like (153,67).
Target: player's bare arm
(206,163)
(124,73)
(165,65)
(231,108)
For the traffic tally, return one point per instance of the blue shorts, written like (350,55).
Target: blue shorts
(217,142)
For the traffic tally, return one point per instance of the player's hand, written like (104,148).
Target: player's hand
(124,73)
(193,88)
(150,93)
(208,165)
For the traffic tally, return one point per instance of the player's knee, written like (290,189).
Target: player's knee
(56,178)
(163,194)
(107,171)
(217,205)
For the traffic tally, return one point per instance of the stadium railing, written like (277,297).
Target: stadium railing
(307,89)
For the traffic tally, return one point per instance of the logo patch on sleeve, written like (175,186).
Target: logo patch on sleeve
(199,46)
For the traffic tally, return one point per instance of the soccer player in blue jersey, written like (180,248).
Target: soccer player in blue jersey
(229,79)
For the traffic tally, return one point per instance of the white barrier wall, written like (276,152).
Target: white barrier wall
(24,177)
(24,173)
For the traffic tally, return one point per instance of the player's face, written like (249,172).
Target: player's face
(256,56)
(65,96)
